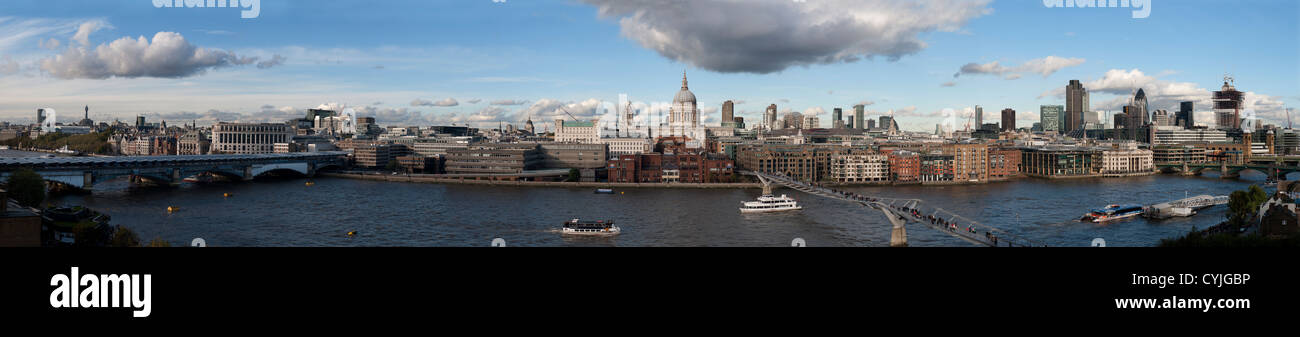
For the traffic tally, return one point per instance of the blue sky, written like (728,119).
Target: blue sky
(386,57)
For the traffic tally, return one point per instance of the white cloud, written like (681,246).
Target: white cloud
(9,66)
(168,55)
(51,44)
(1044,66)
(82,36)
(18,32)
(764,36)
(443,103)
(509,102)
(274,61)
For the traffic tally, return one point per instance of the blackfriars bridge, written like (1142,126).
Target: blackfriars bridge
(84,172)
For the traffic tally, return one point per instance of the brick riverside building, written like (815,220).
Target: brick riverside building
(1004,163)
(802,162)
(904,166)
(670,168)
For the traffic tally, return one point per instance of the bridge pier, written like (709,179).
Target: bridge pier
(311,169)
(897,235)
(248,173)
(175,178)
(87,181)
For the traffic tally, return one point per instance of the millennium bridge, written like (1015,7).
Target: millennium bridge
(84,172)
(900,212)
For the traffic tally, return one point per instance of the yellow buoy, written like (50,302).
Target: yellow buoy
(310,183)
(172,209)
(352,233)
(227,194)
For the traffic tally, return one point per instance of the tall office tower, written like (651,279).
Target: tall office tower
(1140,101)
(888,123)
(1186,116)
(837,115)
(849,124)
(871,124)
(811,122)
(728,114)
(1161,117)
(979,116)
(1050,117)
(1133,122)
(860,116)
(769,117)
(1076,103)
(1120,122)
(1008,120)
(792,120)
(1228,103)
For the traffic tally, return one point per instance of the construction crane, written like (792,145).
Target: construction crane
(561,107)
(1288,116)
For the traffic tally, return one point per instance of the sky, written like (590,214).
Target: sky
(484,62)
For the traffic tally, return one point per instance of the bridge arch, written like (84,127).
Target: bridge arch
(1251,169)
(299,168)
(328,166)
(281,171)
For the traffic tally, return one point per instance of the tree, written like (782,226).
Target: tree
(159,242)
(1242,205)
(574,175)
(27,187)
(124,237)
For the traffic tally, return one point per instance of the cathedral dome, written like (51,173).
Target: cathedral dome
(685,95)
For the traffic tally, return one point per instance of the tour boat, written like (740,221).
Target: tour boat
(769,203)
(604,191)
(600,227)
(65,150)
(1113,212)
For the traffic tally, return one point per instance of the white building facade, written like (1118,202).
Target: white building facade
(249,138)
(577,132)
(860,168)
(1127,161)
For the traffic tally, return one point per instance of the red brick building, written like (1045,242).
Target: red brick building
(904,166)
(680,168)
(162,146)
(1004,163)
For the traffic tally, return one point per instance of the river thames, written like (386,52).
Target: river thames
(288,212)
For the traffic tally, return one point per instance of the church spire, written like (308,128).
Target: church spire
(683,79)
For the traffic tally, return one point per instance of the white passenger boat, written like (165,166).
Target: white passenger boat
(768,203)
(579,227)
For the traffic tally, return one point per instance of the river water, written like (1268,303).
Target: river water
(291,213)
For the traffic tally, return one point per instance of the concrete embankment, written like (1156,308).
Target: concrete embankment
(430,179)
